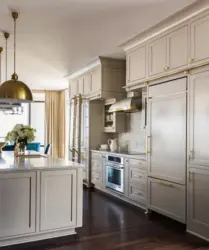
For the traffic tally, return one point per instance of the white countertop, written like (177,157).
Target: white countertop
(10,163)
(125,154)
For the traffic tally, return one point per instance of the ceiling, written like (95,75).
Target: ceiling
(56,37)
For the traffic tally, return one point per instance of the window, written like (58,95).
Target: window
(33,115)
(37,116)
(37,120)
(7,122)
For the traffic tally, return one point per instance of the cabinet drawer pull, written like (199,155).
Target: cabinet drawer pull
(139,193)
(166,184)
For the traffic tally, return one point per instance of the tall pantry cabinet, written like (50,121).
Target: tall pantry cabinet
(198,152)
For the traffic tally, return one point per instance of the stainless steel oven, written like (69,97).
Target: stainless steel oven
(114,173)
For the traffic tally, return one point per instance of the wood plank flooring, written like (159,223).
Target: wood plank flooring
(112,224)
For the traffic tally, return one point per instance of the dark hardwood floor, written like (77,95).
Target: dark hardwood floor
(112,224)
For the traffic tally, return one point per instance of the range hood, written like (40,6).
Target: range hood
(129,104)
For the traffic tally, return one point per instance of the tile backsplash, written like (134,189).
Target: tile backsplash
(134,140)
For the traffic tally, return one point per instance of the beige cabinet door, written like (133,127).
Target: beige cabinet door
(17,204)
(167,198)
(199,119)
(157,51)
(80,85)
(200,39)
(73,88)
(198,202)
(177,45)
(96,79)
(58,199)
(136,65)
(87,84)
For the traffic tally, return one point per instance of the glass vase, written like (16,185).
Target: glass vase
(22,147)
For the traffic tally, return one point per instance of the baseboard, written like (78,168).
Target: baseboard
(36,237)
(113,195)
(197,235)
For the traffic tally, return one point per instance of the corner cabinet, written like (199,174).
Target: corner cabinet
(103,79)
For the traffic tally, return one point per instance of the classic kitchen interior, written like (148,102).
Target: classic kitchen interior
(139,125)
(125,140)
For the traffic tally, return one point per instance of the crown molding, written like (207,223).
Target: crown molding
(178,18)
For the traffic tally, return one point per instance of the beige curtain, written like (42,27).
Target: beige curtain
(55,122)
(62,125)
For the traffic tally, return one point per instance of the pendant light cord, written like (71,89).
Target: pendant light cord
(14,45)
(6,61)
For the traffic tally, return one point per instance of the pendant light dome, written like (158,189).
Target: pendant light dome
(15,91)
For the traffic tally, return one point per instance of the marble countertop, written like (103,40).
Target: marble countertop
(125,154)
(10,163)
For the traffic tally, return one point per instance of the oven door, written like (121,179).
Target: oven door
(114,177)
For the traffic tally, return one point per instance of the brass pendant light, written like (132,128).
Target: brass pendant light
(14,91)
(14,108)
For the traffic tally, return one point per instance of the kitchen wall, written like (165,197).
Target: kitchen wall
(134,140)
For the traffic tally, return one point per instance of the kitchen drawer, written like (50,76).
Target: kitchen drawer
(137,175)
(96,165)
(96,178)
(136,162)
(137,193)
(167,198)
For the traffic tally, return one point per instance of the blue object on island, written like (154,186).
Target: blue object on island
(35,146)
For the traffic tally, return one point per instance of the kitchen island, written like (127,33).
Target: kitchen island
(40,198)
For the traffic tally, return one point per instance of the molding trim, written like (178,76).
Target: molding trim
(36,237)
(174,20)
(83,70)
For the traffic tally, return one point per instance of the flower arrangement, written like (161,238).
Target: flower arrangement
(21,134)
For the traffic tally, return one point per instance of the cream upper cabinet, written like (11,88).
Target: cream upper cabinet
(80,85)
(198,202)
(73,88)
(87,84)
(96,79)
(136,65)
(169,52)
(200,39)
(177,48)
(104,78)
(157,51)
(199,119)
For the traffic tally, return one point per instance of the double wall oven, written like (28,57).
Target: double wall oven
(115,173)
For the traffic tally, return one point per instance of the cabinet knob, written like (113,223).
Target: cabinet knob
(166,68)
(191,60)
